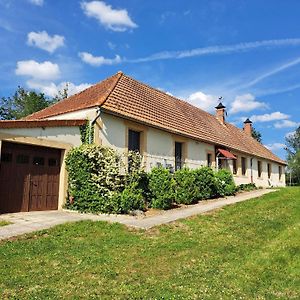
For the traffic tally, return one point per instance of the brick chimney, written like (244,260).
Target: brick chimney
(248,127)
(220,112)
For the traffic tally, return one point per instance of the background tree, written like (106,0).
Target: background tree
(293,156)
(256,135)
(62,94)
(22,104)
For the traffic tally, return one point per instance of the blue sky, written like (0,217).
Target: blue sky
(246,51)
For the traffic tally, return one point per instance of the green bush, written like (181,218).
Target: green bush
(96,183)
(161,188)
(185,188)
(225,185)
(131,198)
(205,181)
(247,187)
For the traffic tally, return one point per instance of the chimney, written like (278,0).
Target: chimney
(248,127)
(220,112)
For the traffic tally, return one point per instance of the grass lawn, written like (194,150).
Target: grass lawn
(3,223)
(250,250)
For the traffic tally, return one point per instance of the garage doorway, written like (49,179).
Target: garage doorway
(29,178)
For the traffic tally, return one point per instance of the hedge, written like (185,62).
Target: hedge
(99,181)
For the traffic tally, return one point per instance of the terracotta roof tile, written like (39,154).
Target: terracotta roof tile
(90,97)
(127,97)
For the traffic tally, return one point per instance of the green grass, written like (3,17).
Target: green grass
(249,250)
(3,223)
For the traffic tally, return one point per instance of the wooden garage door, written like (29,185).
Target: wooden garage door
(29,178)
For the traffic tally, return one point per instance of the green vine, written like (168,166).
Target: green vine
(86,131)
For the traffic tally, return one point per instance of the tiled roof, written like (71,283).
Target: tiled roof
(90,97)
(40,123)
(129,98)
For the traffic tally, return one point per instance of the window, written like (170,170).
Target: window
(178,156)
(269,171)
(134,138)
(52,162)
(234,166)
(209,160)
(280,172)
(22,159)
(244,166)
(6,157)
(259,168)
(38,161)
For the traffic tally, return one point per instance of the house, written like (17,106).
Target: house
(127,115)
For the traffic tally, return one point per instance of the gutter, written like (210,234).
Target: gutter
(92,123)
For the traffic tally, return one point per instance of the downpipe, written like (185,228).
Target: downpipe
(92,123)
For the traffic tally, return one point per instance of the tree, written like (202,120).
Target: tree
(293,155)
(22,104)
(256,135)
(62,94)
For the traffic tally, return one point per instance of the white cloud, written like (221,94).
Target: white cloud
(37,2)
(221,49)
(269,117)
(44,41)
(204,101)
(99,60)
(51,89)
(246,102)
(38,71)
(113,19)
(275,146)
(286,124)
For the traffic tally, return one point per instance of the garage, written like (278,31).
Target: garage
(29,178)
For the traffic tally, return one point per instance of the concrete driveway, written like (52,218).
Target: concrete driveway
(27,222)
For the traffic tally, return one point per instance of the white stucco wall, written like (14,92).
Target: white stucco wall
(70,135)
(158,144)
(263,180)
(82,114)
(159,149)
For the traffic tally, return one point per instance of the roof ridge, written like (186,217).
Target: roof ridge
(119,74)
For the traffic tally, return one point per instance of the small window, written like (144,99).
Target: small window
(22,159)
(269,171)
(6,157)
(234,166)
(259,168)
(178,156)
(209,160)
(53,162)
(280,172)
(38,161)
(134,138)
(244,166)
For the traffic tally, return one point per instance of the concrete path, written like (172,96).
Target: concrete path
(32,221)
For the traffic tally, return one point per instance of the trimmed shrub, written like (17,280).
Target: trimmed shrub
(225,185)
(160,185)
(131,198)
(247,187)
(205,181)
(185,187)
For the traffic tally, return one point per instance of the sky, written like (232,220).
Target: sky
(248,52)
